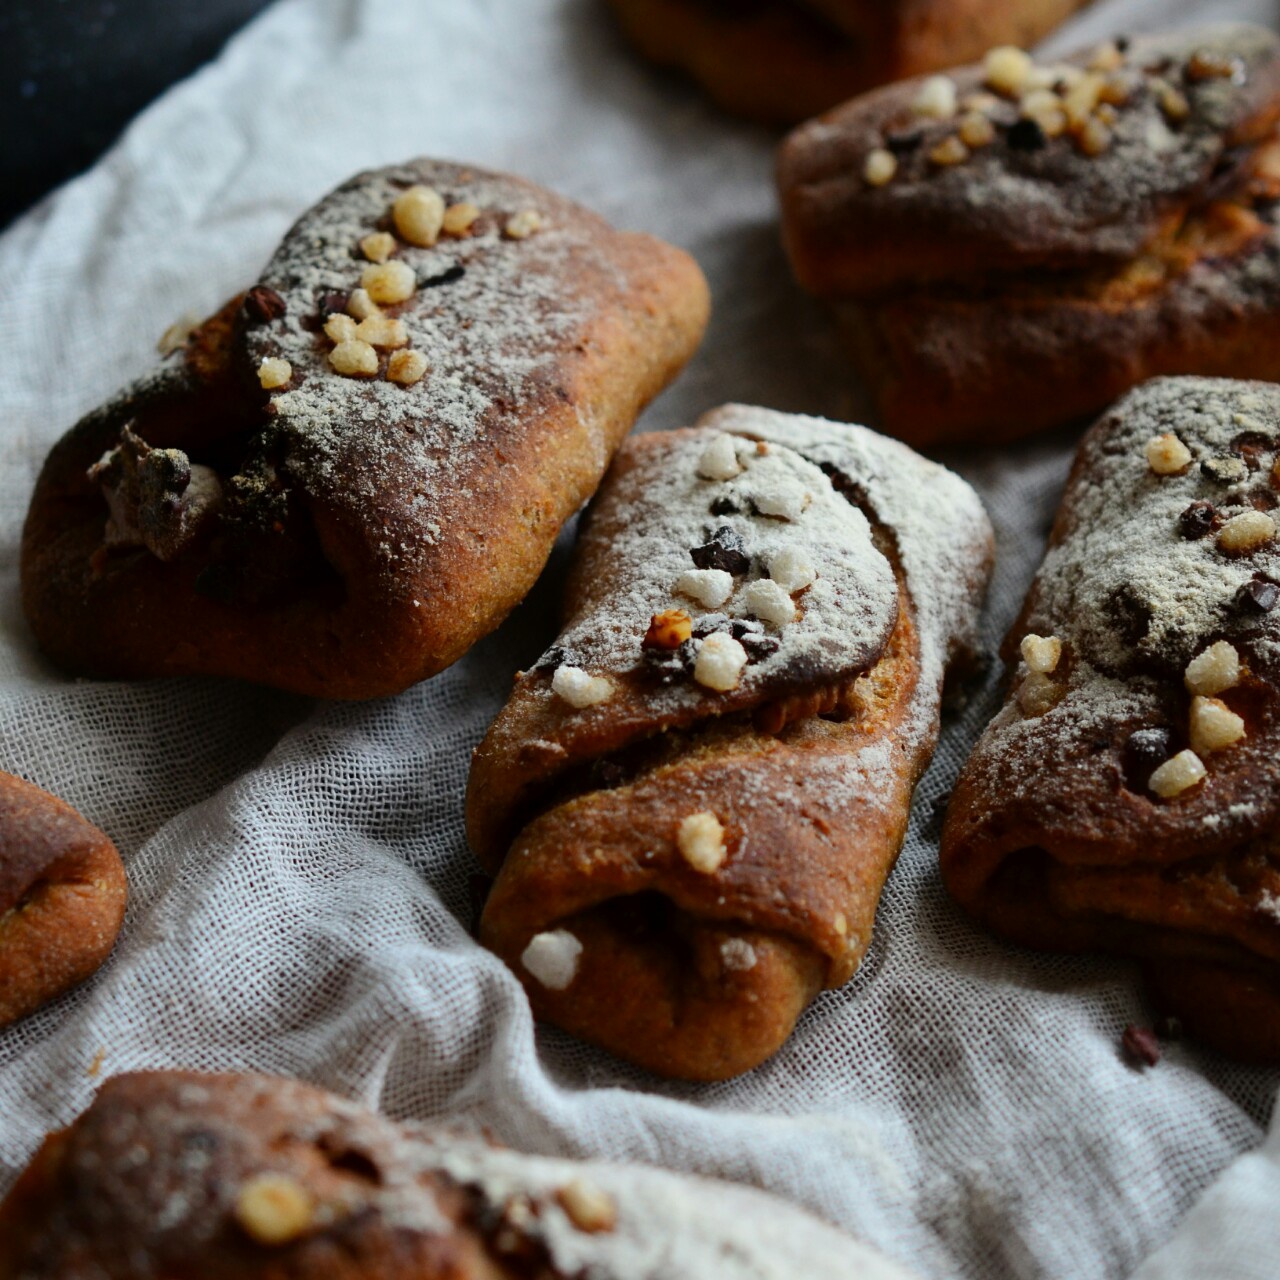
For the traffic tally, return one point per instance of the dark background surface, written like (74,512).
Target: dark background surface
(74,72)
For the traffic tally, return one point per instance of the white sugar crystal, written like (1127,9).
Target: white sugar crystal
(579,688)
(782,497)
(720,662)
(792,568)
(937,98)
(769,602)
(719,460)
(709,587)
(701,842)
(1041,653)
(1214,726)
(552,958)
(738,954)
(1214,670)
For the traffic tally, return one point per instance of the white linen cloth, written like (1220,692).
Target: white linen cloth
(299,873)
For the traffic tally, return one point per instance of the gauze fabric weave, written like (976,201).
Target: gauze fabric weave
(301,896)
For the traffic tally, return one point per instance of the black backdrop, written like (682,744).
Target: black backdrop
(73,73)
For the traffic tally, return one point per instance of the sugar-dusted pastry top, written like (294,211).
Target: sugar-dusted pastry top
(1147,657)
(756,562)
(1010,164)
(224,1175)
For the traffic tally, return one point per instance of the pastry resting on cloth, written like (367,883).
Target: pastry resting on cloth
(249,1177)
(779,61)
(62,897)
(692,801)
(346,477)
(1014,245)
(1127,797)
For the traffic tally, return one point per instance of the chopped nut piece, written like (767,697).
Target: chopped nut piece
(273,373)
(1246,532)
(1167,455)
(459,218)
(552,958)
(668,630)
(976,130)
(937,98)
(701,842)
(719,460)
(1214,725)
(389,282)
(1183,771)
(1041,653)
(418,214)
(769,602)
(340,328)
(589,1208)
(949,152)
(1007,69)
(579,688)
(880,167)
(737,955)
(361,305)
(1214,670)
(1094,138)
(1106,57)
(792,568)
(709,587)
(406,367)
(719,663)
(1081,99)
(523,224)
(1038,694)
(382,331)
(378,246)
(1173,102)
(273,1208)
(354,359)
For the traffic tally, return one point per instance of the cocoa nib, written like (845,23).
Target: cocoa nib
(554,658)
(456,272)
(751,635)
(1144,751)
(1225,469)
(263,304)
(1259,596)
(1140,1045)
(726,551)
(1197,520)
(1026,135)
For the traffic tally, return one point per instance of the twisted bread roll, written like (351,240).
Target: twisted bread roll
(1127,796)
(1015,245)
(343,480)
(173,1173)
(62,897)
(692,802)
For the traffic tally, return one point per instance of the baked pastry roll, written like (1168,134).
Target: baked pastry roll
(693,799)
(343,479)
(1014,245)
(779,61)
(1127,796)
(250,1177)
(62,898)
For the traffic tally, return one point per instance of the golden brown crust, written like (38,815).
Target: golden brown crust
(62,897)
(367,533)
(697,964)
(206,1177)
(779,62)
(1055,837)
(1033,282)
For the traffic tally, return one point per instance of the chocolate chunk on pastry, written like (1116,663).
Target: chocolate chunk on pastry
(1014,245)
(692,801)
(779,61)
(173,1173)
(1127,796)
(62,897)
(348,475)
